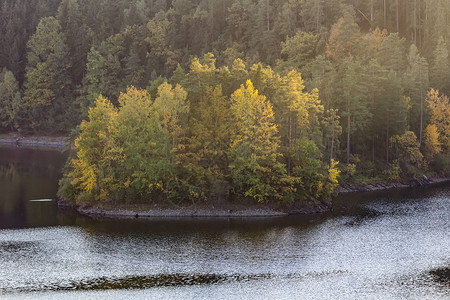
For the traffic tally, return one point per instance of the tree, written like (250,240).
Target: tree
(432,146)
(391,54)
(406,149)
(172,108)
(48,96)
(255,170)
(302,111)
(91,174)
(204,154)
(77,36)
(299,50)
(10,100)
(354,95)
(439,107)
(332,130)
(440,68)
(144,172)
(416,83)
(344,39)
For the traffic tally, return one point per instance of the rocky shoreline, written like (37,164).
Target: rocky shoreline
(242,211)
(404,183)
(35,141)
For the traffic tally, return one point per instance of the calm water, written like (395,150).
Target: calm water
(391,245)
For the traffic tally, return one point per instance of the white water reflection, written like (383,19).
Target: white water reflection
(385,251)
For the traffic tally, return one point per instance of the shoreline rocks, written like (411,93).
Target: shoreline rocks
(240,211)
(405,183)
(35,141)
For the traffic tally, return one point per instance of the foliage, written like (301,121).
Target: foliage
(439,107)
(431,146)
(394,172)
(406,149)
(340,77)
(10,100)
(255,170)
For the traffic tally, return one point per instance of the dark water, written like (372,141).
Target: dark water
(389,245)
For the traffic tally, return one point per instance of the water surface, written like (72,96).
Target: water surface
(388,245)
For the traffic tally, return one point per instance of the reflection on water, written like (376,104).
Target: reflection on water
(386,245)
(28,174)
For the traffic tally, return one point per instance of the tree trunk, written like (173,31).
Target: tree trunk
(289,145)
(332,142)
(387,136)
(317,2)
(397,18)
(373,148)
(348,131)
(371,11)
(421,120)
(415,22)
(300,148)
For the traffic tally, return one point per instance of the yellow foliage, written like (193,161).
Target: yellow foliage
(333,172)
(440,117)
(432,146)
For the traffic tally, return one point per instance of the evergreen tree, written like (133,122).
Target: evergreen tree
(10,100)
(48,96)
(440,68)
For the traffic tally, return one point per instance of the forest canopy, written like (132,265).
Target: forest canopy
(190,100)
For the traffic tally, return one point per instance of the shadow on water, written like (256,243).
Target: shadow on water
(441,275)
(138,282)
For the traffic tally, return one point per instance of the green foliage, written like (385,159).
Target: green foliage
(394,171)
(48,93)
(440,68)
(10,100)
(204,154)
(299,49)
(191,56)
(406,149)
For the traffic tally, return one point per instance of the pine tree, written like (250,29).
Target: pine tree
(440,68)
(416,83)
(48,96)
(10,100)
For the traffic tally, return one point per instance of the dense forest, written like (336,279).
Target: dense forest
(194,100)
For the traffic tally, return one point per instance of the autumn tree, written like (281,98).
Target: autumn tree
(204,154)
(255,170)
(439,107)
(172,108)
(432,146)
(90,174)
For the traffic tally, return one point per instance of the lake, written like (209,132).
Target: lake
(385,245)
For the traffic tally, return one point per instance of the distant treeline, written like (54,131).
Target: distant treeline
(371,94)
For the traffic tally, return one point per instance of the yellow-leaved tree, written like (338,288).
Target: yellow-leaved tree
(439,107)
(255,170)
(431,145)
(91,173)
